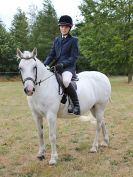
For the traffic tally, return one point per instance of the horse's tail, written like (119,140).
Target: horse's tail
(88,118)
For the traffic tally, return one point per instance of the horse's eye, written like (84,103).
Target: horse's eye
(20,69)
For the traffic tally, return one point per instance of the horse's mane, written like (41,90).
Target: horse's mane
(45,68)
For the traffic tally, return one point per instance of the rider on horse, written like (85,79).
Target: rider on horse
(65,52)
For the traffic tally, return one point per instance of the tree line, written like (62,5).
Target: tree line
(105,36)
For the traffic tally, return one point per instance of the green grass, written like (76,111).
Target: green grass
(19,140)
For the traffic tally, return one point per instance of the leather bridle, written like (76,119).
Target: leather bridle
(30,78)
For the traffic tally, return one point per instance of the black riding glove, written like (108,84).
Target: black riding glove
(59,67)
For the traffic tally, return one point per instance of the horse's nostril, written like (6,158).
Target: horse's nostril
(25,90)
(29,91)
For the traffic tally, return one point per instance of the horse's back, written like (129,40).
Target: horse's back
(93,75)
(94,87)
(94,78)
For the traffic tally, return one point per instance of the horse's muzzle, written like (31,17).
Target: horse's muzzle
(29,91)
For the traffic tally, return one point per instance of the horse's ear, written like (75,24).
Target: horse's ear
(19,53)
(34,52)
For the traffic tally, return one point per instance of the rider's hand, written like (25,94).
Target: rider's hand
(59,67)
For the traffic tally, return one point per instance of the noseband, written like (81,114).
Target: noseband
(30,78)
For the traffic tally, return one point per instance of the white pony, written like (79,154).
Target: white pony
(41,88)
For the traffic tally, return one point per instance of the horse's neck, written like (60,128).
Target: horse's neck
(46,79)
(42,71)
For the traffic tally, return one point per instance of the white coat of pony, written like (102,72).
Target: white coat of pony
(93,89)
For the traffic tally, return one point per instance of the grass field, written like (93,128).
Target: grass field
(19,140)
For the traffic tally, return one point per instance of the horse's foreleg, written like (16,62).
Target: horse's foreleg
(39,126)
(52,136)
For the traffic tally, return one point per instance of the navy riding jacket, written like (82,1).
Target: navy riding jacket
(64,51)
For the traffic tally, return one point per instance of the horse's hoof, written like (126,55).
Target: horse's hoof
(104,144)
(41,157)
(93,150)
(52,162)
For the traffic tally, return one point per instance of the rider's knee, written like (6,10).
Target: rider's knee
(66,83)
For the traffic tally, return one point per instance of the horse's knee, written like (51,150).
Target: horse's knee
(41,135)
(52,138)
(99,123)
(66,82)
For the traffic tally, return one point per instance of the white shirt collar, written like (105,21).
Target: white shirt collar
(64,36)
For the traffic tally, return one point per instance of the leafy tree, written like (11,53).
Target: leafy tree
(20,30)
(106,35)
(123,27)
(44,29)
(33,11)
(83,63)
(7,50)
(2,45)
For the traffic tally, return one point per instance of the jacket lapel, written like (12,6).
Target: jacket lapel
(66,39)
(59,46)
(62,42)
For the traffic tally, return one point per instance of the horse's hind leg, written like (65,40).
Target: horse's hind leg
(105,135)
(39,125)
(98,112)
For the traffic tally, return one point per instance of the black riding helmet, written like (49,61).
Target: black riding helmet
(65,20)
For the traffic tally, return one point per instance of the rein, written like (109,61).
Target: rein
(39,83)
(53,69)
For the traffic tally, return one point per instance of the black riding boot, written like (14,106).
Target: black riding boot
(73,95)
